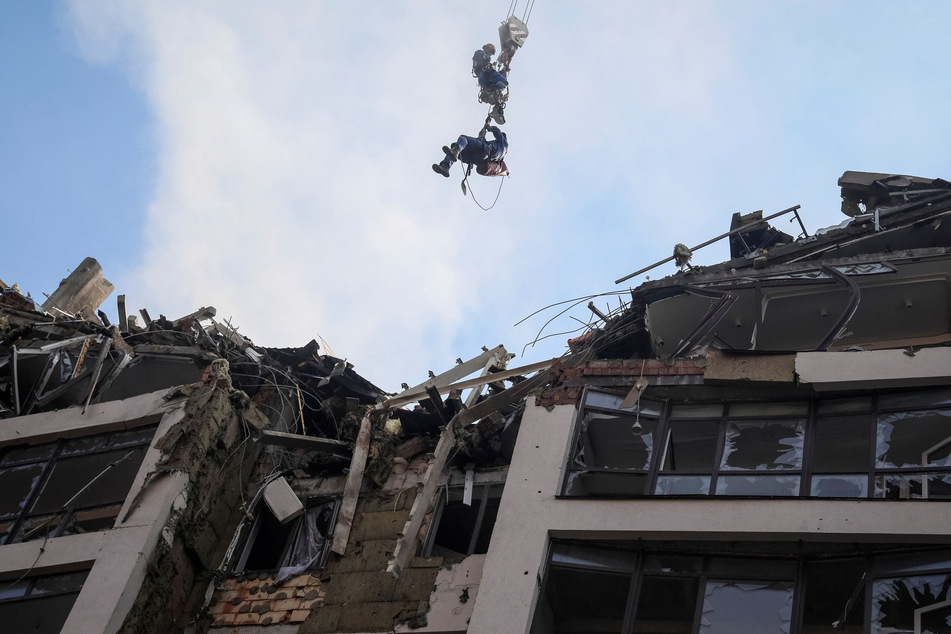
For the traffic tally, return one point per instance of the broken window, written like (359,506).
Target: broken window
(464,528)
(39,604)
(614,450)
(698,588)
(292,547)
(781,449)
(68,486)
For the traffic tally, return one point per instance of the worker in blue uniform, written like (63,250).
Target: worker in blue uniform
(491,81)
(485,155)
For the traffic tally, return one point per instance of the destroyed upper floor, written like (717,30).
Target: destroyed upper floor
(880,279)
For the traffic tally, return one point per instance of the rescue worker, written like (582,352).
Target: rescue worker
(485,155)
(491,81)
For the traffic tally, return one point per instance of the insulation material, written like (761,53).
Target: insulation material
(751,607)
(309,544)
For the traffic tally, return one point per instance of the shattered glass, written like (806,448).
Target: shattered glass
(897,602)
(747,607)
(618,442)
(683,485)
(771,485)
(763,446)
(840,485)
(903,438)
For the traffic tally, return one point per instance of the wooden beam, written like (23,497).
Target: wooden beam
(461,371)
(410,396)
(351,490)
(406,544)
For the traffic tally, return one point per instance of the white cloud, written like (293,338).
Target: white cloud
(295,139)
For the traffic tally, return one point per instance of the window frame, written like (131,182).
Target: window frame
(881,562)
(486,491)
(878,479)
(248,542)
(65,516)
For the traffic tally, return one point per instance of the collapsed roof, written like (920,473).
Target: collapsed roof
(880,279)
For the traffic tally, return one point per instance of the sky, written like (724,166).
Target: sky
(272,159)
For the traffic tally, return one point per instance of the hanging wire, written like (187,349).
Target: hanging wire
(512,8)
(465,179)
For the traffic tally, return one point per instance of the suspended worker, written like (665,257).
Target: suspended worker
(485,155)
(491,81)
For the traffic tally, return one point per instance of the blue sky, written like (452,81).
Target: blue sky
(273,159)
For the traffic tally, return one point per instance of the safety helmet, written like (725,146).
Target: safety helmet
(489,49)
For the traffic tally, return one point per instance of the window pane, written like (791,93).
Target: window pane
(683,485)
(830,586)
(840,485)
(43,615)
(27,453)
(603,558)
(933,398)
(763,446)
(618,442)
(587,600)
(606,484)
(904,437)
(845,406)
(714,410)
(898,486)
(16,484)
(738,607)
(70,475)
(691,446)
(771,485)
(666,604)
(769,409)
(841,444)
(612,401)
(896,601)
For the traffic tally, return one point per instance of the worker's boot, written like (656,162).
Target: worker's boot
(452,150)
(441,168)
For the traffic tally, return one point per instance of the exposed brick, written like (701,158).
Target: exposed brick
(270,618)
(287,604)
(298,616)
(222,619)
(260,607)
(247,619)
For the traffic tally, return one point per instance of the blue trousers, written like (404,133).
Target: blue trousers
(474,150)
(493,80)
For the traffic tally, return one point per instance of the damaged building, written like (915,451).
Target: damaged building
(759,445)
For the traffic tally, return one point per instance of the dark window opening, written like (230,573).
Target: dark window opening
(68,486)
(465,529)
(300,544)
(39,604)
(628,587)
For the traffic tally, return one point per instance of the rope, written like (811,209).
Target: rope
(528,12)
(465,179)
(512,8)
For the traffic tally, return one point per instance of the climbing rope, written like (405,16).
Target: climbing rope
(465,179)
